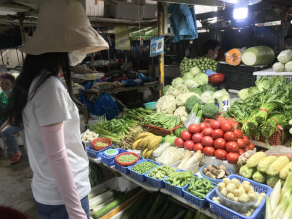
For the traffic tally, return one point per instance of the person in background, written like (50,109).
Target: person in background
(210,49)
(8,132)
(49,112)
(288,42)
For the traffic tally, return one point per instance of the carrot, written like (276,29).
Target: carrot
(233,57)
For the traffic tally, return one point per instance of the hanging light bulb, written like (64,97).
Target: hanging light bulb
(240,10)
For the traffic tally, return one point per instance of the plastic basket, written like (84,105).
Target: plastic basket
(238,77)
(150,104)
(202,203)
(275,139)
(174,189)
(138,176)
(110,160)
(123,169)
(154,182)
(96,154)
(227,213)
(216,181)
(160,131)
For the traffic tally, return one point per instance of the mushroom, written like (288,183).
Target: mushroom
(209,167)
(221,174)
(215,171)
(205,170)
(215,166)
(208,174)
(224,168)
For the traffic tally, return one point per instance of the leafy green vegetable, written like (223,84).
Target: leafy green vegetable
(263,83)
(196,90)
(243,94)
(208,87)
(190,102)
(210,110)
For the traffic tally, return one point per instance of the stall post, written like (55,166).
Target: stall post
(161,56)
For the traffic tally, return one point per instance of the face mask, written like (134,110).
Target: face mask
(8,91)
(76,57)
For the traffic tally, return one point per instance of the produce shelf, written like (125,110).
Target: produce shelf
(270,72)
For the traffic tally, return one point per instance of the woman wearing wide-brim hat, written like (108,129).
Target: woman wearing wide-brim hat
(49,112)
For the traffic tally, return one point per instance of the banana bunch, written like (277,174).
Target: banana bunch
(147,143)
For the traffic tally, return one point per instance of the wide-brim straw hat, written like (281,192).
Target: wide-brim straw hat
(63,26)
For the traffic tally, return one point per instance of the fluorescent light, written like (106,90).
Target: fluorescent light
(240,10)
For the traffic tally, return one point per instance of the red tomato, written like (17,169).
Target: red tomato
(245,148)
(238,133)
(196,138)
(193,128)
(226,127)
(188,145)
(251,146)
(232,158)
(216,125)
(218,133)
(232,147)
(179,142)
(207,132)
(185,135)
(221,154)
(240,151)
(241,143)
(220,143)
(246,139)
(207,141)
(197,147)
(230,136)
(209,151)
(203,126)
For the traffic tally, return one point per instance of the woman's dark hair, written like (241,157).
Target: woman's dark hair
(45,66)
(209,44)
(8,76)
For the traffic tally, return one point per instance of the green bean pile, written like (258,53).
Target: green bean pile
(126,158)
(144,167)
(161,172)
(162,121)
(101,144)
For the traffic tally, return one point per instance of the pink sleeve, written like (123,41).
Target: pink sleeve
(53,139)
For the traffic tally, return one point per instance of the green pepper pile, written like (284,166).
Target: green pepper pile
(180,178)
(199,187)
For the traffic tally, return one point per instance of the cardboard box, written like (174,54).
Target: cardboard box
(93,7)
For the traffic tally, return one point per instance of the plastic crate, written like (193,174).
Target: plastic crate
(160,131)
(275,139)
(154,182)
(110,160)
(202,203)
(138,176)
(96,154)
(123,169)
(238,77)
(227,213)
(216,181)
(174,189)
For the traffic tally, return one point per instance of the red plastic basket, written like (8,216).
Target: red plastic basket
(128,163)
(275,139)
(160,131)
(103,140)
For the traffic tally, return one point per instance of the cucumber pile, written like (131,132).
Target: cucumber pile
(202,63)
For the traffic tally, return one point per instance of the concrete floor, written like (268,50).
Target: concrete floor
(15,186)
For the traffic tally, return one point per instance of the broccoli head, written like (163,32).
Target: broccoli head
(190,102)
(210,110)
(208,87)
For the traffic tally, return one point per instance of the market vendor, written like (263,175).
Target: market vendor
(210,49)
(49,112)
(8,132)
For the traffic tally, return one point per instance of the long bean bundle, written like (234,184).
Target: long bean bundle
(161,120)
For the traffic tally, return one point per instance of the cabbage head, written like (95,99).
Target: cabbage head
(190,83)
(188,75)
(288,66)
(263,83)
(196,91)
(285,56)
(195,70)
(177,81)
(278,67)
(243,94)
(208,87)
(201,79)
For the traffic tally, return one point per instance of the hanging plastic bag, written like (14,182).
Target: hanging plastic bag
(194,117)
(86,103)
(106,105)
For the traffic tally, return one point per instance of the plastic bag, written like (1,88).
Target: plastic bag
(192,118)
(106,105)
(280,150)
(86,103)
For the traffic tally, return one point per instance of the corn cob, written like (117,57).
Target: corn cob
(276,167)
(264,164)
(285,171)
(255,159)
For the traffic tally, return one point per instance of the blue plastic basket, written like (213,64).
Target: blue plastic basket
(110,160)
(150,105)
(193,199)
(154,182)
(227,213)
(123,169)
(210,179)
(174,189)
(96,154)
(138,176)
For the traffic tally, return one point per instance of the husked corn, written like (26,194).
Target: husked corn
(276,167)
(264,164)
(255,159)
(285,171)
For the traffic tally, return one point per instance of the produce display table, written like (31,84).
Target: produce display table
(270,72)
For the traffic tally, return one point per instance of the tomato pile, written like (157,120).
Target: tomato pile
(218,139)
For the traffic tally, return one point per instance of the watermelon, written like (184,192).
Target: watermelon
(96,175)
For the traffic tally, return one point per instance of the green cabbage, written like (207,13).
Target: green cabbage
(196,90)
(278,67)
(177,81)
(243,94)
(288,66)
(201,79)
(188,75)
(285,56)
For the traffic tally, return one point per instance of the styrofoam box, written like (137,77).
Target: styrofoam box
(212,160)
(93,7)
